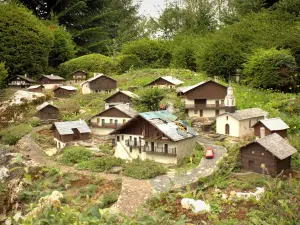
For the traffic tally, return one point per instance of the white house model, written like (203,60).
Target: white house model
(237,123)
(155,135)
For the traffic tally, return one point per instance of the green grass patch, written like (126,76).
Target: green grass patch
(73,154)
(100,164)
(11,135)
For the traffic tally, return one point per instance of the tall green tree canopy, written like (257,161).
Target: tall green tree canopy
(96,25)
(25,41)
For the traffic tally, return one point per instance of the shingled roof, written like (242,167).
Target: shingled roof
(273,124)
(26,78)
(125,108)
(246,113)
(34,87)
(65,128)
(53,77)
(275,144)
(44,105)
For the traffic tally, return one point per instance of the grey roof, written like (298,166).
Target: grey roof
(45,104)
(274,124)
(65,128)
(27,78)
(53,77)
(125,108)
(69,88)
(34,86)
(172,80)
(275,144)
(130,94)
(95,77)
(246,113)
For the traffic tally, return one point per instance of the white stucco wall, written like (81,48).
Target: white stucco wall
(101,131)
(221,122)
(98,120)
(245,126)
(51,86)
(85,89)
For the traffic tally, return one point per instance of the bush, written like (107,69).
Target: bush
(100,164)
(149,100)
(3,74)
(144,169)
(35,122)
(91,62)
(11,135)
(272,68)
(127,62)
(25,41)
(152,53)
(73,154)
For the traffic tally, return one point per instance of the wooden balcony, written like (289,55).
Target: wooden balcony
(106,125)
(204,106)
(160,150)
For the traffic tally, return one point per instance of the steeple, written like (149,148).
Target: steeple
(230,100)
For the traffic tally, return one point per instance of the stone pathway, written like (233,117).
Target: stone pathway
(205,168)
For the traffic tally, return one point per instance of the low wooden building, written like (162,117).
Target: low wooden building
(268,155)
(47,112)
(99,84)
(165,82)
(36,88)
(120,97)
(64,91)
(269,126)
(79,76)
(21,81)
(51,81)
(70,131)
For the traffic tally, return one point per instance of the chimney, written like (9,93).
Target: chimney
(52,74)
(238,75)
(216,78)
(25,75)
(51,102)
(80,121)
(262,132)
(118,89)
(266,116)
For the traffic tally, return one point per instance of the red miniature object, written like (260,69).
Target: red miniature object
(209,153)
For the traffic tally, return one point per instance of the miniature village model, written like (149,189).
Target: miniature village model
(99,84)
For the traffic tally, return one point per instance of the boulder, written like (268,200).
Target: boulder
(116,169)
(195,205)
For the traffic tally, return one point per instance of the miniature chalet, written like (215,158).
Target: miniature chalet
(165,82)
(159,136)
(36,88)
(120,97)
(268,155)
(269,126)
(205,99)
(111,118)
(99,84)
(70,131)
(79,76)
(64,91)
(20,81)
(51,81)
(47,112)
(237,123)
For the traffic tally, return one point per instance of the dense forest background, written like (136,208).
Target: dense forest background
(258,38)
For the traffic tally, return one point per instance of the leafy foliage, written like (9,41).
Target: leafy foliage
(127,62)
(25,41)
(100,164)
(144,169)
(272,68)
(73,154)
(3,74)
(149,99)
(12,134)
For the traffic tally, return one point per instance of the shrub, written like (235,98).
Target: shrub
(108,198)
(152,53)
(127,62)
(3,74)
(12,135)
(149,100)
(271,68)
(73,154)
(144,169)
(91,62)
(100,164)
(35,122)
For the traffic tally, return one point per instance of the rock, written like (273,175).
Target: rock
(3,173)
(246,195)
(99,154)
(51,151)
(116,169)
(195,205)
(224,196)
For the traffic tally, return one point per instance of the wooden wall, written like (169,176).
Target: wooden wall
(282,133)
(60,92)
(209,90)
(103,83)
(119,97)
(69,137)
(113,112)
(45,80)
(48,113)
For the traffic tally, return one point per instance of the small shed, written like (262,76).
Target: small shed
(269,126)
(47,112)
(79,76)
(64,91)
(36,88)
(120,97)
(165,82)
(69,131)
(51,79)
(268,155)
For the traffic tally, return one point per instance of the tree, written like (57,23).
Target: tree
(93,23)
(3,74)
(272,68)
(149,100)
(25,41)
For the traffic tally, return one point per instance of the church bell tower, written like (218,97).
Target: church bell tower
(229,100)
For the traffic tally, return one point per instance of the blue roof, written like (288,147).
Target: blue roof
(163,115)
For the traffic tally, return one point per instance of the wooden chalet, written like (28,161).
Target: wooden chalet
(268,155)
(51,81)
(79,76)
(155,135)
(205,99)
(99,84)
(64,91)
(36,88)
(120,97)
(165,82)
(70,131)
(269,126)
(21,81)
(47,112)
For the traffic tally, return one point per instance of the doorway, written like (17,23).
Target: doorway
(251,165)
(166,148)
(217,103)
(152,146)
(227,129)
(201,113)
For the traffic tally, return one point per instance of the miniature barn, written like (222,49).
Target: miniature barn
(99,84)
(47,112)
(269,126)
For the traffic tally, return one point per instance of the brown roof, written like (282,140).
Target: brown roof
(127,93)
(79,71)
(95,78)
(53,77)
(26,78)
(189,88)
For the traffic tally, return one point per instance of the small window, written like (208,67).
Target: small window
(130,149)
(124,121)
(262,153)
(118,138)
(195,111)
(262,165)
(253,152)
(226,117)
(130,138)
(222,102)
(122,137)
(111,121)
(98,120)
(249,123)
